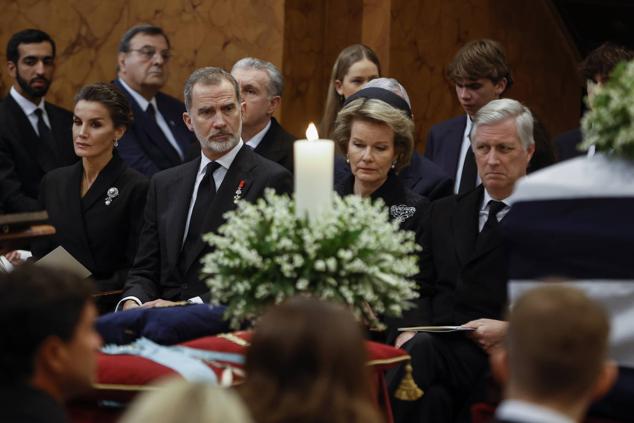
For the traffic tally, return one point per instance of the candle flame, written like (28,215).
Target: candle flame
(311,132)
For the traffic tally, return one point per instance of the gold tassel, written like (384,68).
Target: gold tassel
(408,390)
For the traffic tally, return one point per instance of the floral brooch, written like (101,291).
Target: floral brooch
(238,193)
(402,212)
(112,193)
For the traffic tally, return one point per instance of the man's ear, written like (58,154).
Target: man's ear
(188,121)
(121,61)
(499,361)
(274,103)
(605,380)
(12,68)
(500,86)
(530,151)
(243,109)
(51,356)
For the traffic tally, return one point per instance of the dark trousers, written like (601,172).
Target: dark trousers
(445,366)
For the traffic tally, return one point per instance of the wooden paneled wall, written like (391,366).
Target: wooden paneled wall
(414,40)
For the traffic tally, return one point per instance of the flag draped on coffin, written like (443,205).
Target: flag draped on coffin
(575,220)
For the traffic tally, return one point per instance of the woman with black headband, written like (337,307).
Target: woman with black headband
(375,131)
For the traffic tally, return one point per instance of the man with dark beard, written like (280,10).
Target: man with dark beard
(189,200)
(35,136)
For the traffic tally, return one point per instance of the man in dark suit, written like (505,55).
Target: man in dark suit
(480,73)
(261,86)
(463,269)
(56,357)
(551,370)
(190,200)
(158,138)
(595,71)
(35,136)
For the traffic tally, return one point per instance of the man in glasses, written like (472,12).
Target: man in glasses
(158,138)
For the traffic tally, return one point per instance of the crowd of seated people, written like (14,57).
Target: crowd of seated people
(132,178)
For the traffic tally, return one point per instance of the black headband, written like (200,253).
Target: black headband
(386,96)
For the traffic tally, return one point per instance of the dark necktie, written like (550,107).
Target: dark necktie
(469,173)
(45,132)
(204,198)
(494,208)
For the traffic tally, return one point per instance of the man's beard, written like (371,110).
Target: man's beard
(221,146)
(30,91)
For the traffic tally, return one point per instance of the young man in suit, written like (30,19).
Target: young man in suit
(261,86)
(595,71)
(157,139)
(464,268)
(189,200)
(480,74)
(554,358)
(35,136)
(49,343)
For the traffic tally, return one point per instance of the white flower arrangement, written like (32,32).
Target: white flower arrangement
(352,254)
(609,124)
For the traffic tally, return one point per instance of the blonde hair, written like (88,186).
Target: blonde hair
(180,401)
(374,110)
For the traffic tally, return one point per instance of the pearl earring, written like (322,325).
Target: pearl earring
(347,159)
(116,142)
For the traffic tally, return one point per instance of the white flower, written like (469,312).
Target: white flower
(352,254)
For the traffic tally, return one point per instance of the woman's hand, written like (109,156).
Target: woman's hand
(488,333)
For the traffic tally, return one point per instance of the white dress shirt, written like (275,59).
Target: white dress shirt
(257,138)
(466,145)
(29,109)
(160,120)
(516,410)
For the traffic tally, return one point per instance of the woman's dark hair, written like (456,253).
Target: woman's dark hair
(348,57)
(307,363)
(111,98)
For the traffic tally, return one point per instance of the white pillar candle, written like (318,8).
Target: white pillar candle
(314,169)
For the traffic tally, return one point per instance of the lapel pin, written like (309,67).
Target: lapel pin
(111,194)
(238,194)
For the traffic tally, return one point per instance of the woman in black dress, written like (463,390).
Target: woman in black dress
(375,131)
(96,205)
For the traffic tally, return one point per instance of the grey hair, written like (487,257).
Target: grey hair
(497,111)
(276,81)
(208,76)
(390,84)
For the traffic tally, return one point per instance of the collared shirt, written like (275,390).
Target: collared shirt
(516,410)
(160,120)
(29,109)
(219,175)
(257,138)
(484,209)
(466,145)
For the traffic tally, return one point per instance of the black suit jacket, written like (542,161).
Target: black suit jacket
(24,404)
(461,280)
(422,177)
(24,158)
(277,145)
(566,144)
(144,147)
(101,237)
(157,269)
